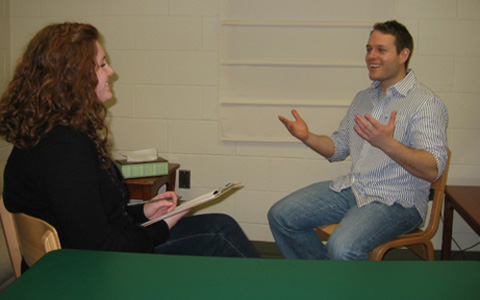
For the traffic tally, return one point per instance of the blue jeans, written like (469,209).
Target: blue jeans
(208,235)
(361,229)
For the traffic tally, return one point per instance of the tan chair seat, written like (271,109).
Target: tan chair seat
(28,237)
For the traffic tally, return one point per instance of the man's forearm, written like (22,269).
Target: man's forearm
(321,144)
(419,163)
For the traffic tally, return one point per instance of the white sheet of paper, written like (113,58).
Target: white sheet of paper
(197,201)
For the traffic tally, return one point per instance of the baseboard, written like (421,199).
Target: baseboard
(267,249)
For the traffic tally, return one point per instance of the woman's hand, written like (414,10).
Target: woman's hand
(156,209)
(171,221)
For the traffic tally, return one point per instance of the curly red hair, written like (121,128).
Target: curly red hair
(54,84)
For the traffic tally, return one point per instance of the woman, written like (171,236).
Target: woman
(61,171)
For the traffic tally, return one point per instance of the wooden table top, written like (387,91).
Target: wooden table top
(466,201)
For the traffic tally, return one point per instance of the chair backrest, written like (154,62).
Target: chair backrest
(438,188)
(11,238)
(34,238)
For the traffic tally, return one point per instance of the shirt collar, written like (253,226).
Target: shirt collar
(401,88)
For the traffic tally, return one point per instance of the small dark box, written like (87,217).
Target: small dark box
(184,180)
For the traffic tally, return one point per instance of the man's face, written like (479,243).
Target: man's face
(383,62)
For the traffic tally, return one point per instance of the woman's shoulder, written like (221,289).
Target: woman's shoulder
(63,141)
(64,135)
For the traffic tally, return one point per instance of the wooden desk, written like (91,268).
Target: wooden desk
(82,274)
(146,188)
(466,201)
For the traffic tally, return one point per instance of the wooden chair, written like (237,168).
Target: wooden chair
(418,241)
(28,237)
(11,239)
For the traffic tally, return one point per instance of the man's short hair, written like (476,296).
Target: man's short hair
(403,39)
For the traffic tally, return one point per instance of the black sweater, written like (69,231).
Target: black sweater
(62,181)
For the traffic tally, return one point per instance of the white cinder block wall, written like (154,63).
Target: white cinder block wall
(167,57)
(4,70)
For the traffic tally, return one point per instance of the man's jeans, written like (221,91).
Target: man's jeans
(361,229)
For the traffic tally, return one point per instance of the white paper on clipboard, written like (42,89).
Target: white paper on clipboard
(197,201)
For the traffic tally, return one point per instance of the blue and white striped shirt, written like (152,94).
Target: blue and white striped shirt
(421,123)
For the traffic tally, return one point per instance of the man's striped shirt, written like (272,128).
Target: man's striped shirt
(421,123)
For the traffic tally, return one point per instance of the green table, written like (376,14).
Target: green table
(77,274)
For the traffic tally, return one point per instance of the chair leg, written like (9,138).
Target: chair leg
(423,250)
(430,252)
(378,253)
(420,250)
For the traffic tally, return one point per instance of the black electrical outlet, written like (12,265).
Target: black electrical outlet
(184,180)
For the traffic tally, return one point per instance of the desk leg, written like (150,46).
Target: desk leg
(447,229)
(172,177)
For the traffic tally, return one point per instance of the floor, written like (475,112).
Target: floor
(270,250)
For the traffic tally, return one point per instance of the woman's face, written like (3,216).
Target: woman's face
(104,71)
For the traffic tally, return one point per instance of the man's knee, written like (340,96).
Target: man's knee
(273,214)
(345,249)
(278,213)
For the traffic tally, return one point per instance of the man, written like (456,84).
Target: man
(395,133)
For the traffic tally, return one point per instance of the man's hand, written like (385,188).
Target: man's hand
(297,128)
(374,132)
(418,162)
(319,143)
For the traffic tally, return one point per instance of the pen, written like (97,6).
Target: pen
(141,202)
(224,188)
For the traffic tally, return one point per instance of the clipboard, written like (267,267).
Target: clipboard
(197,201)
